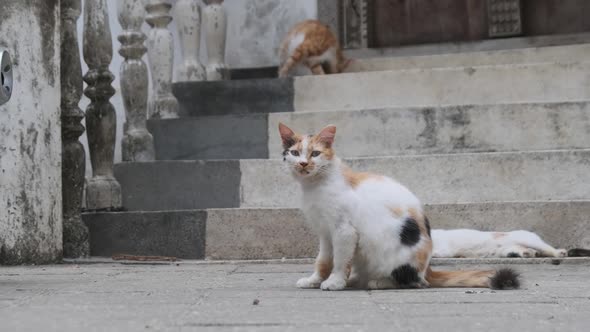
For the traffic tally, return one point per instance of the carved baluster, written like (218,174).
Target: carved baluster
(161,58)
(73,159)
(137,144)
(355,23)
(103,192)
(215,22)
(188,20)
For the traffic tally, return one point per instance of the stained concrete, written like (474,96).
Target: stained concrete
(226,234)
(453,129)
(163,185)
(234,96)
(277,233)
(173,233)
(263,297)
(211,137)
(515,83)
(394,131)
(257,234)
(443,178)
(30,141)
(543,54)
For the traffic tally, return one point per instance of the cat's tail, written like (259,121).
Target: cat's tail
(578,252)
(496,279)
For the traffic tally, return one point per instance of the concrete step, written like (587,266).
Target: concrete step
(469,47)
(485,85)
(528,55)
(450,178)
(457,54)
(382,132)
(547,82)
(278,233)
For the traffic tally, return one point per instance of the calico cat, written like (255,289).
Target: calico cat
(311,44)
(372,230)
(469,243)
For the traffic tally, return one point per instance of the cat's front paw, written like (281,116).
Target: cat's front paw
(310,282)
(333,284)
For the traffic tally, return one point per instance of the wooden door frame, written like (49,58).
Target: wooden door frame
(352,22)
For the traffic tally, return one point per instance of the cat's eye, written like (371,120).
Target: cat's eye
(295,153)
(315,153)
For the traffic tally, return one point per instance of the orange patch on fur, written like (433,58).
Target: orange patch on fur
(397,212)
(355,179)
(324,268)
(316,144)
(423,255)
(499,235)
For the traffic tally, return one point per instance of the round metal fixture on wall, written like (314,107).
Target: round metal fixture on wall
(5,77)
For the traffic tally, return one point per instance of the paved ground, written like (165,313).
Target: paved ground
(192,296)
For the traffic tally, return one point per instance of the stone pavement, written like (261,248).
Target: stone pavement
(185,296)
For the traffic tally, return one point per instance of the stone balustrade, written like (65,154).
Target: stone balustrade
(137,143)
(103,192)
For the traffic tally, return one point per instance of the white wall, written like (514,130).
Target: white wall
(255,29)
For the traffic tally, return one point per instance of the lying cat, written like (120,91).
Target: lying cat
(311,44)
(372,230)
(469,243)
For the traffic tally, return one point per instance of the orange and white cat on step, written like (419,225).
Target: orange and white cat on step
(372,230)
(311,44)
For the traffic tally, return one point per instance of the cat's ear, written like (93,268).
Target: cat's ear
(287,136)
(327,135)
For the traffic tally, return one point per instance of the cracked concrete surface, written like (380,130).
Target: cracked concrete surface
(195,296)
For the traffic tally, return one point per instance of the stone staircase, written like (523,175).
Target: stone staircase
(495,140)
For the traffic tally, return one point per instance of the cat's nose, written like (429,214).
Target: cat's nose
(303,164)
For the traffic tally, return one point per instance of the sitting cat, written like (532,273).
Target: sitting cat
(311,44)
(372,230)
(469,243)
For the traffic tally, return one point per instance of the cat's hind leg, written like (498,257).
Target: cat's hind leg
(534,242)
(344,241)
(323,266)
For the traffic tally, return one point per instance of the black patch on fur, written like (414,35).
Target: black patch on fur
(505,279)
(406,276)
(287,143)
(410,234)
(578,252)
(513,255)
(427,223)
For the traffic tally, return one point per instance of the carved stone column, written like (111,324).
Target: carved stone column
(188,21)
(103,192)
(138,143)
(355,24)
(75,232)
(161,58)
(215,22)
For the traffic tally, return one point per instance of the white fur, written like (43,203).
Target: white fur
(295,42)
(472,244)
(353,225)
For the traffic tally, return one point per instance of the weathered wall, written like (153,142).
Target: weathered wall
(30,142)
(257,27)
